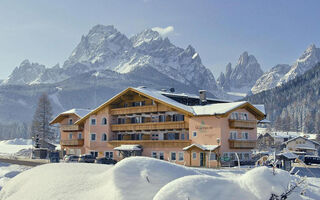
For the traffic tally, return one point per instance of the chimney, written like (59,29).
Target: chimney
(203,97)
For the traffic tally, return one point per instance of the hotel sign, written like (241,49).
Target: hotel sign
(203,127)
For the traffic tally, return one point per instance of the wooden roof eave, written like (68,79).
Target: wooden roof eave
(251,109)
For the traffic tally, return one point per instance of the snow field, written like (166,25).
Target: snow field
(144,178)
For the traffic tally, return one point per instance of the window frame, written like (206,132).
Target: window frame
(95,121)
(179,154)
(175,155)
(102,137)
(95,137)
(194,155)
(154,154)
(104,121)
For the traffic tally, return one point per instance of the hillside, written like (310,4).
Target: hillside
(295,105)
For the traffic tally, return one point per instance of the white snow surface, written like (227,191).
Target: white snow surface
(144,178)
(15,145)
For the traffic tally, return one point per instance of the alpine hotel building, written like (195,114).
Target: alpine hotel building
(185,129)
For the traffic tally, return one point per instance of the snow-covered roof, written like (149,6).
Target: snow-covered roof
(260,107)
(302,138)
(80,112)
(191,96)
(128,147)
(216,109)
(202,147)
(158,95)
(288,155)
(306,148)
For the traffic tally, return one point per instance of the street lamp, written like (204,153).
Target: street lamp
(218,156)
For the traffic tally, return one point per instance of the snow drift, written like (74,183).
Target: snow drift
(141,178)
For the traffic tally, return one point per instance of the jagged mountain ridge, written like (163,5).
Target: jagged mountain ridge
(243,76)
(105,48)
(281,74)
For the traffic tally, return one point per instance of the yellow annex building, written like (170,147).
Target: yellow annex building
(186,129)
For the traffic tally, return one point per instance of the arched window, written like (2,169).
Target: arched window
(70,122)
(104,137)
(104,121)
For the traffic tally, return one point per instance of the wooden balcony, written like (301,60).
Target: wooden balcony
(74,142)
(70,128)
(153,143)
(242,144)
(150,126)
(242,124)
(138,109)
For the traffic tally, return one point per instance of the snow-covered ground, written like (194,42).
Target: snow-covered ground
(8,171)
(10,147)
(147,178)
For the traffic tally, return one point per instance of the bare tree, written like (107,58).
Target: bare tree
(40,125)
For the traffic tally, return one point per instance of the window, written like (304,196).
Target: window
(93,121)
(232,156)
(121,120)
(94,153)
(178,117)
(70,136)
(70,122)
(173,155)
(104,137)
(246,156)
(233,135)
(234,115)
(182,136)
(93,137)
(194,155)
(79,135)
(245,116)
(181,156)
(173,136)
(194,134)
(162,118)
(161,155)
(108,154)
(154,154)
(104,121)
(212,156)
(155,137)
(245,135)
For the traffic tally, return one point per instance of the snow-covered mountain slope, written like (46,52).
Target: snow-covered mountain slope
(281,74)
(243,76)
(271,78)
(34,73)
(105,48)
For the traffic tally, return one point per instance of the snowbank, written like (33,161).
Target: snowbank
(15,145)
(142,178)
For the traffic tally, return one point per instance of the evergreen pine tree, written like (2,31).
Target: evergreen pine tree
(40,125)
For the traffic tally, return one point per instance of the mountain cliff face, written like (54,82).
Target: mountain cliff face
(243,76)
(105,48)
(281,74)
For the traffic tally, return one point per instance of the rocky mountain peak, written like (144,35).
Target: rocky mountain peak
(243,76)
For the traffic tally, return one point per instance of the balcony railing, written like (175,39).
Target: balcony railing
(138,109)
(70,128)
(242,124)
(153,143)
(74,142)
(242,144)
(150,126)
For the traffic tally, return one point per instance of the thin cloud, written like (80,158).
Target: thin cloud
(164,31)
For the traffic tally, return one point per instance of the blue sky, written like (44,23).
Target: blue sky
(275,31)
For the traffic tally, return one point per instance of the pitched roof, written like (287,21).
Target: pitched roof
(158,96)
(202,147)
(78,112)
(128,147)
(286,142)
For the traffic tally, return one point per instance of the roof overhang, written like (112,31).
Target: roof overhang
(202,147)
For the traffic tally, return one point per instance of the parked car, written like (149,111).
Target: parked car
(107,161)
(71,158)
(86,158)
(312,160)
